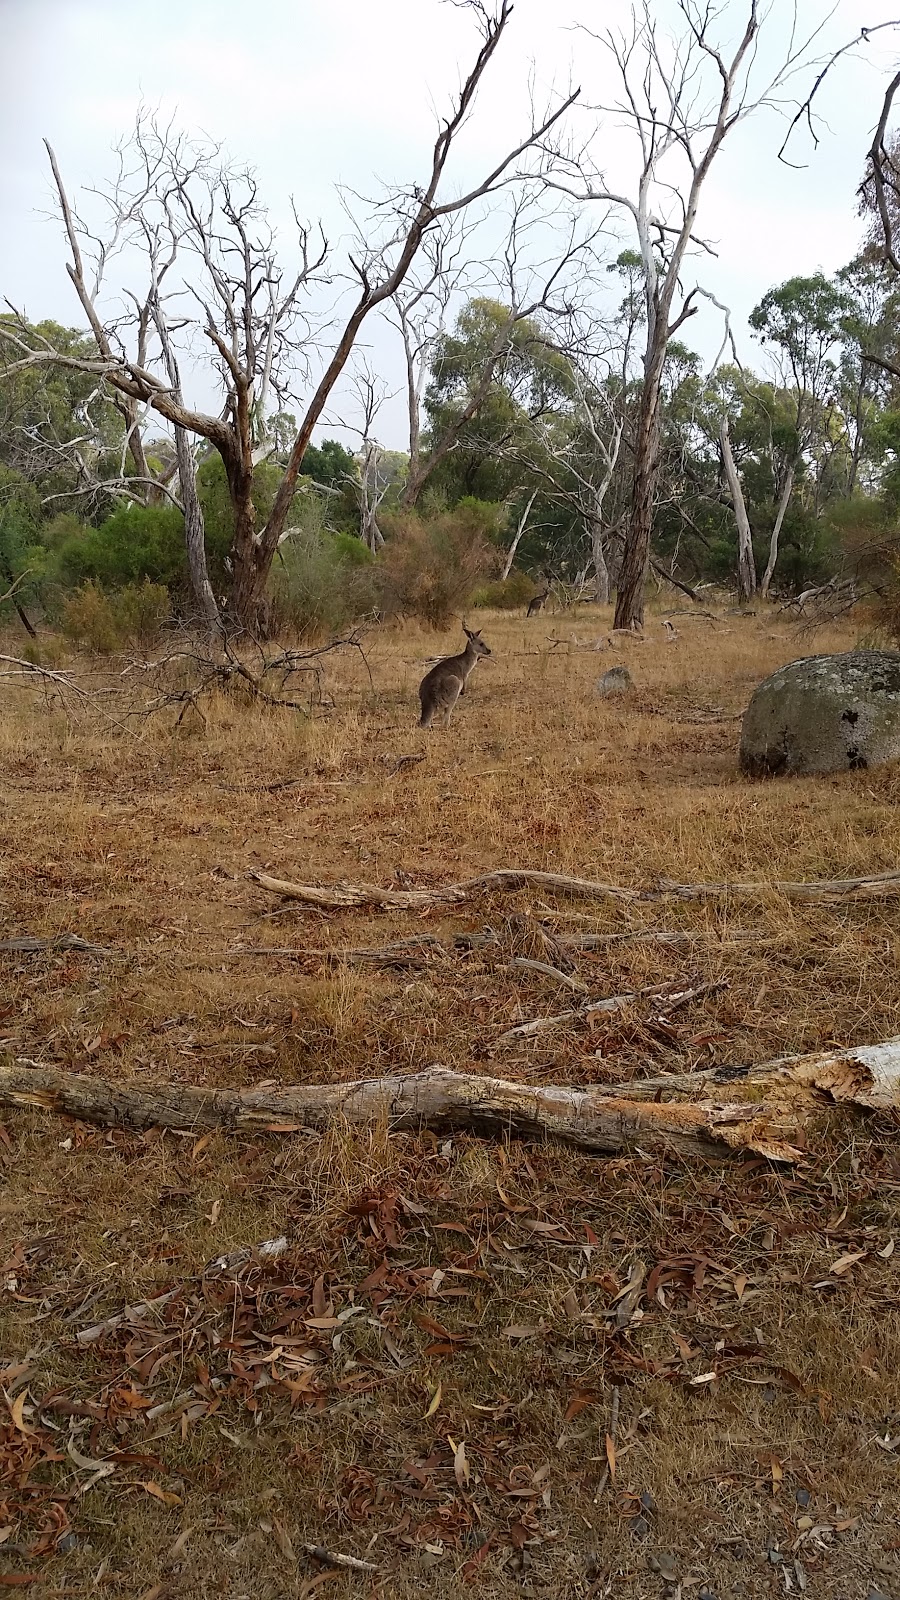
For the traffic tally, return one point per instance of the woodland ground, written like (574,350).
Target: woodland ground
(425,1380)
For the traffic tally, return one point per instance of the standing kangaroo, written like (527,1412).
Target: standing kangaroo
(538,602)
(442,686)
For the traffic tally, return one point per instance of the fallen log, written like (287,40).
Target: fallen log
(344,896)
(774,1124)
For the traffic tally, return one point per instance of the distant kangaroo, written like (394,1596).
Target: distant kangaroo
(442,686)
(538,603)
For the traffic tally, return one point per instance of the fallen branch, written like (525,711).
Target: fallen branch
(332,1559)
(774,1124)
(668,999)
(27,944)
(880,886)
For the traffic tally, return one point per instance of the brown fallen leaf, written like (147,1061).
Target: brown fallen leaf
(166,1496)
(845,1262)
(16,1410)
(435,1402)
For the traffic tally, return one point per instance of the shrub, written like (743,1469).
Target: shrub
(506,594)
(321,583)
(431,569)
(136,543)
(103,622)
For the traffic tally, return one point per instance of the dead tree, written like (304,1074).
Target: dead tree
(665,88)
(371,486)
(746,564)
(419,311)
(255,316)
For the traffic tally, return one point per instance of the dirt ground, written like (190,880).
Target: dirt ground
(481,1368)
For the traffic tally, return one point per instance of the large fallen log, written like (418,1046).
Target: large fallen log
(342,896)
(774,1123)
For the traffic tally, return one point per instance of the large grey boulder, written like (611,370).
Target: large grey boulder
(824,714)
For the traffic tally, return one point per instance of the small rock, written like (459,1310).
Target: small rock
(804,1523)
(67,1542)
(640,1527)
(617,680)
(774,1557)
(648,1502)
(802,1497)
(707,1594)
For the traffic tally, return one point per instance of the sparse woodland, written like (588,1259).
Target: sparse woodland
(455,1160)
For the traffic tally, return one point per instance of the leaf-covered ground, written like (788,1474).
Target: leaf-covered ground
(479,1368)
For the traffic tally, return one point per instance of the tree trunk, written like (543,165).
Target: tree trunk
(636,560)
(776,533)
(601,570)
(746,564)
(195,534)
(249,561)
(739,1118)
(523,521)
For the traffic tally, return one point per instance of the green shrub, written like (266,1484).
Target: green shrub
(103,622)
(322,582)
(136,543)
(506,594)
(431,569)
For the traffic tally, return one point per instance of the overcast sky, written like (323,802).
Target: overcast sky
(319,92)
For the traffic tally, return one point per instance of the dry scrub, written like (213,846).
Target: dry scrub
(424,1378)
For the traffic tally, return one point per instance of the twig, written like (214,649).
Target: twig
(127,1314)
(670,1001)
(545,968)
(610,1442)
(332,1559)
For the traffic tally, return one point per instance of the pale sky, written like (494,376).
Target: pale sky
(313,94)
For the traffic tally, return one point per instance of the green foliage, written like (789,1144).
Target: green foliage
(329,463)
(322,583)
(136,543)
(103,623)
(506,594)
(431,569)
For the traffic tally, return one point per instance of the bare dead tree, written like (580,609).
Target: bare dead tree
(253,314)
(518,536)
(746,564)
(680,98)
(419,310)
(372,484)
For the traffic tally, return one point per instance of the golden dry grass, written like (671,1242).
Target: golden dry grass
(141,841)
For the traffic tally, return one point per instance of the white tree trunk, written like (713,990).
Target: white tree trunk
(511,553)
(598,556)
(746,564)
(783,503)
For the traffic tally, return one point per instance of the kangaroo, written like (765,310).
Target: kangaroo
(442,686)
(538,603)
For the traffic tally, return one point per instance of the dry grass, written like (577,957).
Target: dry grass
(141,841)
